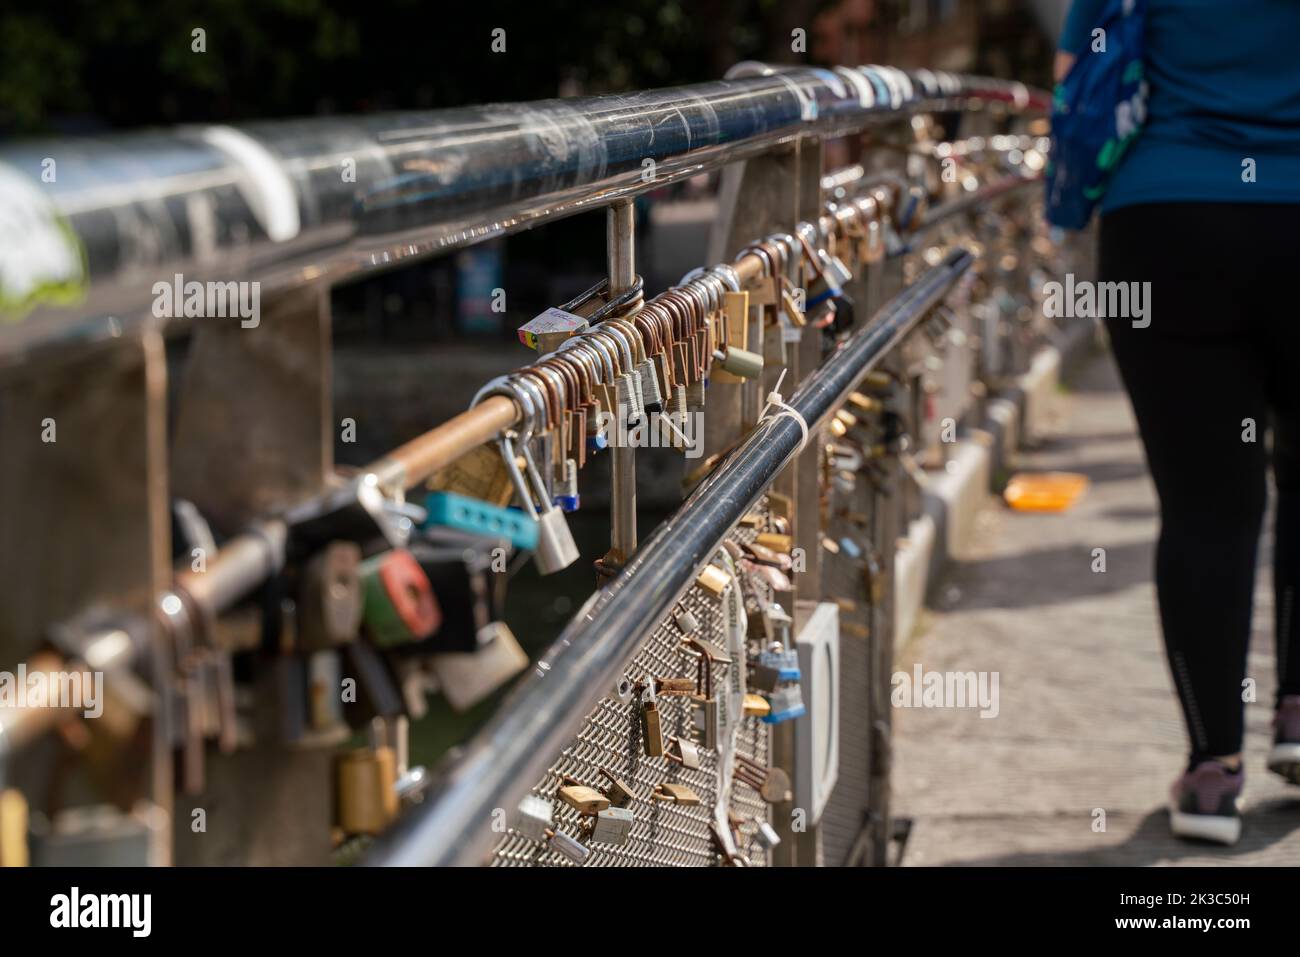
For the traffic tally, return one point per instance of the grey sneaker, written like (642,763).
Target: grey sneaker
(1205,803)
(1284,758)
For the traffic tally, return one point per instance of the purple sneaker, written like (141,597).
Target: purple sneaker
(1205,803)
(1284,759)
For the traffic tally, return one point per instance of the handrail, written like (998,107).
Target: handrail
(290,203)
(452,825)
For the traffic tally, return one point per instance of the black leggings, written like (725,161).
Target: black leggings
(1220,357)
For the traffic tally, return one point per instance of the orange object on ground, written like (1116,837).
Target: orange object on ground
(1044,491)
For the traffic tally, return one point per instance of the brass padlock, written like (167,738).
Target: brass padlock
(651,732)
(676,793)
(13,829)
(619,794)
(674,686)
(713,580)
(776,541)
(367,790)
(580,797)
(480,474)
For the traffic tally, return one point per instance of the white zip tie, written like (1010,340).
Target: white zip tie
(774,399)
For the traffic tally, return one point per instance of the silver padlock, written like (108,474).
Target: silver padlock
(651,397)
(677,406)
(534,818)
(835,270)
(689,753)
(767,835)
(556,548)
(706,722)
(686,622)
(569,847)
(627,389)
(612,826)
(787,704)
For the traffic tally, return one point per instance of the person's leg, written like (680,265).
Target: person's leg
(1274,224)
(1194,376)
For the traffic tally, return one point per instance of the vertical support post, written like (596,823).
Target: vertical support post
(620,241)
(84,523)
(767,194)
(255,432)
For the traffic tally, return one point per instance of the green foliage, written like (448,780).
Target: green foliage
(74,64)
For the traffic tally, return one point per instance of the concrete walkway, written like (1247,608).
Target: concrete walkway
(1088,719)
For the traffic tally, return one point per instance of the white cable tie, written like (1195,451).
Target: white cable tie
(774,398)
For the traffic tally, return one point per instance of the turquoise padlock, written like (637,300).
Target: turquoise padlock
(479,518)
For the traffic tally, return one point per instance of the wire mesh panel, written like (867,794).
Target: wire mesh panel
(664,834)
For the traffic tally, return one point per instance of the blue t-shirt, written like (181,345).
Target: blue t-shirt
(1224,88)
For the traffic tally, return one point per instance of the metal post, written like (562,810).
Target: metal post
(620,241)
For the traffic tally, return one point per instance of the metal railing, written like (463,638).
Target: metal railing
(308,204)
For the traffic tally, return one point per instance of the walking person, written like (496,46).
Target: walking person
(1205,207)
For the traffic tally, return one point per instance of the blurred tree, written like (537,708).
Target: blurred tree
(75,64)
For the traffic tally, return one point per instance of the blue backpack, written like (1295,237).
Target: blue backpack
(1097,111)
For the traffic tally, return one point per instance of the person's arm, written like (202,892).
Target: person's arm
(1076,35)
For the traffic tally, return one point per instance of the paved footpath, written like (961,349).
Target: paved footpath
(1088,718)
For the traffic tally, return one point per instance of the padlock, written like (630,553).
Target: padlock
(677,403)
(766,835)
(739,362)
(580,797)
(356,513)
(686,622)
(13,829)
(676,794)
(776,541)
(568,499)
(836,272)
(324,702)
(569,847)
(706,718)
(556,549)
(330,599)
(787,704)
(465,514)
(619,794)
(713,580)
(367,790)
(628,395)
(688,755)
(547,330)
(613,825)
(469,582)
(479,474)
(756,706)
(534,818)
(651,732)
(652,399)
(399,605)
(466,678)
(674,686)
